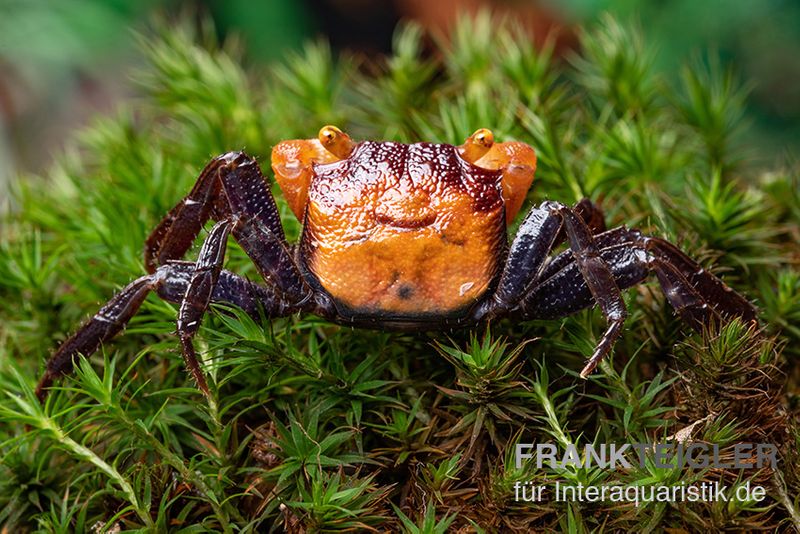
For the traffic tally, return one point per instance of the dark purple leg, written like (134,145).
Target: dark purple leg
(598,277)
(170,282)
(178,229)
(198,296)
(591,214)
(104,325)
(243,207)
(231,187)
(537,236)
(232,191)
(699,297)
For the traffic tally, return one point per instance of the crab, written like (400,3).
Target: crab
(398,236)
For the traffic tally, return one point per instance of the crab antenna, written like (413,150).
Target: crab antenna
(477,145)
(336,141)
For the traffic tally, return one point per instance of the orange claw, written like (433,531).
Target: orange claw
(516,160)
(293,161)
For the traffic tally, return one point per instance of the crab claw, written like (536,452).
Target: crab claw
(293,163)
(477,145)
(336,141)
(517,161)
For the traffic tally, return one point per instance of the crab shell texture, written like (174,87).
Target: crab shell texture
(403,230)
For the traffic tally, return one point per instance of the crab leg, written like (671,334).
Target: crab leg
(597,275)
(231,190)
(538,234)
(244,208)
(699,297)
(171,282)
(591,214)
(542,230)
(231,187)
(178,229)
(198,296)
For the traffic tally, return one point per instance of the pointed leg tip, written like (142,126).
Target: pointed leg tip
(43,387)
(190,359)
(203,386)
(589,368)
(41,393)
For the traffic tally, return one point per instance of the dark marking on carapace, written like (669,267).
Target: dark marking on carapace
(405,291)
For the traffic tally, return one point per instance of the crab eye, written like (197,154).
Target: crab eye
(335,141)
(477,145)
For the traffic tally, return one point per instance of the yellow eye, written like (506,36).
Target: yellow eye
(477,145)
(335,141)
(483,137)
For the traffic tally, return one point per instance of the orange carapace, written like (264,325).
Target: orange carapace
(403,229)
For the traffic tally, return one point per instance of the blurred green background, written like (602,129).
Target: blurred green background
(63,61)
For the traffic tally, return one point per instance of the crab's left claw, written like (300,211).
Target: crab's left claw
(516,160)
(293,161)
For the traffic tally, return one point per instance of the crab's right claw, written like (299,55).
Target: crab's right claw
(293,161)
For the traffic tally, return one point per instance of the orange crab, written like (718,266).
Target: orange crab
(399,236)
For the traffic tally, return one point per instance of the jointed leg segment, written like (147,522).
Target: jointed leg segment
(171,282)
(596,268)
(699,297)
(540,232)
(232,191)
(198,295)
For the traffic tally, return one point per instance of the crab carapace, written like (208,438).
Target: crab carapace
(398,236)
